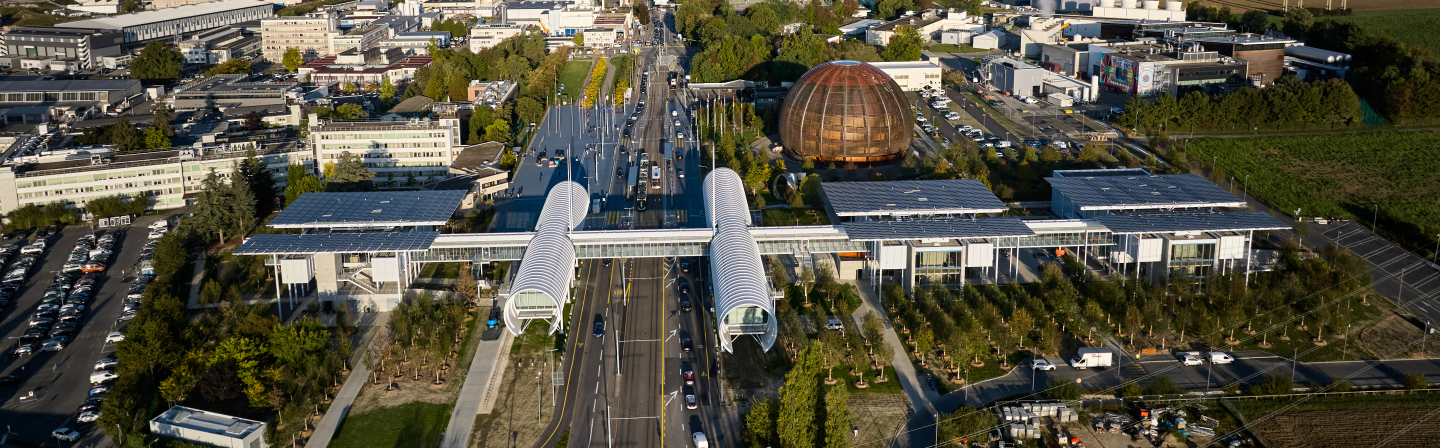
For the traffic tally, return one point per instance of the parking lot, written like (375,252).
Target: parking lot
(54,384)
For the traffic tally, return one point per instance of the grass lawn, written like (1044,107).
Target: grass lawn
(411,424)
(952,48)
(1414,27)
(573,77)
(1344,175)
(789,217)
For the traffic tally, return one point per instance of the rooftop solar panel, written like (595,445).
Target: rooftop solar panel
(281,244)
(1137,192)
(1191,222)
(932,196)
(959,228)
(373,208)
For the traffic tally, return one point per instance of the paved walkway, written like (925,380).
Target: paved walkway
(488,355)
(370,324)
(195,283)
(920,396)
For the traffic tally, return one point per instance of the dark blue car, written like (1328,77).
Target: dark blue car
(599,326)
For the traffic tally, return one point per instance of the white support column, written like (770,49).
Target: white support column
(276,261)
(1249,243)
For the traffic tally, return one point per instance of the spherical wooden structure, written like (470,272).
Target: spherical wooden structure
(846,111)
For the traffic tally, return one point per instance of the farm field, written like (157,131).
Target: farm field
(1340,421)
(1347,175)
(1413,27)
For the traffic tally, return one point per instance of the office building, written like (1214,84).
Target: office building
(63,100)
(401,153)
(373,67)
(359,38)
(219,45)
(486,36)
(39,47)
(310,34)
(164,178)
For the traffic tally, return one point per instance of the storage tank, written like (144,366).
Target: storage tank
(1127,4)
(1172,5)
(1152,4)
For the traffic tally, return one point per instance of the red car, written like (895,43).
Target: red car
(689,377)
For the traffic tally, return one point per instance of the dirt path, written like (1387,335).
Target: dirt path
(513,422)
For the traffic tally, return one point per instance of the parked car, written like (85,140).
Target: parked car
(66,434)
(55,344)
(1041,364)
(114,336)
(88,417)
(107,363)
(102,377)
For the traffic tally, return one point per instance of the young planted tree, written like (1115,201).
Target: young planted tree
(884,356)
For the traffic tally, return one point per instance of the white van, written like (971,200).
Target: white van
(102,377)
(1221,358)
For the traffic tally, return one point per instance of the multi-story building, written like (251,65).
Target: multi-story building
(218,46)
(491,94)
(401,153)
(39,46)
(353,68)
(471,8)
(164,178)
(223,91)
(309,34)
(486,36)
(927,23)
(43,101)
(171,23)
(417,42)
(359,38)
(1264,55)
(1148,69)
(912,75)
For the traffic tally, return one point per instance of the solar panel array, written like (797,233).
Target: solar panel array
(1180,190)
(948,196)
(280,244)
(959,228)
(429,207)
(1191,222)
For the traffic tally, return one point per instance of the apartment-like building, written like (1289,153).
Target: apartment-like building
(486,36)
(399,152)
(310,34)
(359,38)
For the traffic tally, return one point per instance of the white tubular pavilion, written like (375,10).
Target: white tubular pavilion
(542,285)
(742,294)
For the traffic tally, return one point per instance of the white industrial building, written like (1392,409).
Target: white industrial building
(928,23)
(171,23)
(1139,10)
(912,75)
(486,36)
(209,428)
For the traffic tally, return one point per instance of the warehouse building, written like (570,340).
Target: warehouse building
(45,101)
(179,22)
(1013,76)
(209,428)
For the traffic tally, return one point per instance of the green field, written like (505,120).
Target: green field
(410,424)
(573,77)
(1414,27)
(1346,175)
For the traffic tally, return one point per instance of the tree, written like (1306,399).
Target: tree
(234,66)
(759,422)
(1255,20)
(387,90)
(847,8)
(642,13)
(480,118)
(350,111)
(110,206)
(799,398)
(292,59)
(349,174)
(162,116)
(905,45)
(262,185)
(967,422)
(1061,388)
(299,180)
(253,121)
(157,61)
(1163,385)
(499,131)
(837,417)
(155,139)
(884,355)
(579,39)
(125,137)
(1297,22)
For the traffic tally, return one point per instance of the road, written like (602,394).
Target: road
(60,381)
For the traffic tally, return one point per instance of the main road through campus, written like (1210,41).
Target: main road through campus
(624,388)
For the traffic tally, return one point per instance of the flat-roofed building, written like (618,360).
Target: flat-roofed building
(912,75)
(927,23)
(164,178)
(1264,55)
(359,38)
(1082,195)
(209,428)
(231,91)
(62,100)
(34,46)
(401,153)
(141,27)
(486,36)
(335,70)
(309,34)
(910,200)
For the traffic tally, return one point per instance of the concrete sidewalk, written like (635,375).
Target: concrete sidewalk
(486,368)
(921,397)
(371,324)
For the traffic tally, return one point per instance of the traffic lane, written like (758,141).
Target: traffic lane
(642,359)
(589,404)
(575,363)
(62,378)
